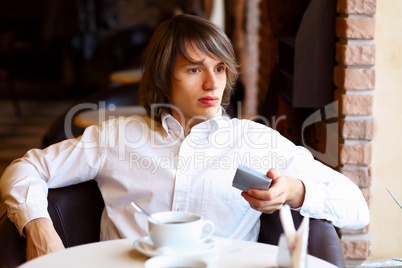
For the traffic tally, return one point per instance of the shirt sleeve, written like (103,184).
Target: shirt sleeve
(329,194)
(24,184)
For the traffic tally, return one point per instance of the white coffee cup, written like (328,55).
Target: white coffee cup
(181,231)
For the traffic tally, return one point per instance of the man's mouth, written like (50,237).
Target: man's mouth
(209,100)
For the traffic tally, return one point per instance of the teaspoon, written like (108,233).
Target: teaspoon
(138,208)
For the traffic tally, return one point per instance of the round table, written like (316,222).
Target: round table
(121,253)
(94,117)
(129,76)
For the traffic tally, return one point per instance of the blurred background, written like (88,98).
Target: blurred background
(57,53)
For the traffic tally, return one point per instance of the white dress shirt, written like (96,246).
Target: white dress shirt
(139,159)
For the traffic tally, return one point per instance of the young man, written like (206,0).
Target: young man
(182,156)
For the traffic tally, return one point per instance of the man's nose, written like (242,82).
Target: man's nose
(210,81)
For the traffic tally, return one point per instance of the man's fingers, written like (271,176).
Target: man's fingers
(273,173)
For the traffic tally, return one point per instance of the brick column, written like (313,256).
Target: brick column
(354,77)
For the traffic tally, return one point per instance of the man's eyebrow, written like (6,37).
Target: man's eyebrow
(194,62)
(189,63)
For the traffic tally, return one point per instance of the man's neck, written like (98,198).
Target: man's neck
(189,124)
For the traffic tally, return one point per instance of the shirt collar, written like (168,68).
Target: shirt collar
(169,123)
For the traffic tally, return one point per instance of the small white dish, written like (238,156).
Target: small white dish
(145,246)
(171,261)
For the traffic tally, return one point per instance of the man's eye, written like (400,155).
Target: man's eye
(220,69)
(193,70)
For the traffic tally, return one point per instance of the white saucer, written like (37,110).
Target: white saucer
(145,246)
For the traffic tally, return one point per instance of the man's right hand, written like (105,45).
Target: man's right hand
(42,238)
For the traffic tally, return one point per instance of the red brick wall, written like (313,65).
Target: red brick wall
(354,77)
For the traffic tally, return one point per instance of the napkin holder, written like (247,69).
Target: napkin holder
(283,259)
(292,247)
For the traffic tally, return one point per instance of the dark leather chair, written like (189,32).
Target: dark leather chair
(76,211)
(323,241)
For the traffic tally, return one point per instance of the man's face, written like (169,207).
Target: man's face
(197,89)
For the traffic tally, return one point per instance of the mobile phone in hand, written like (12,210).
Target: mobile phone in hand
(246,178)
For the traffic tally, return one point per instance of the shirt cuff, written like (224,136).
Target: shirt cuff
(28,212)
(313,204)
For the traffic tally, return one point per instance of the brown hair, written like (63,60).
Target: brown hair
(168,41)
